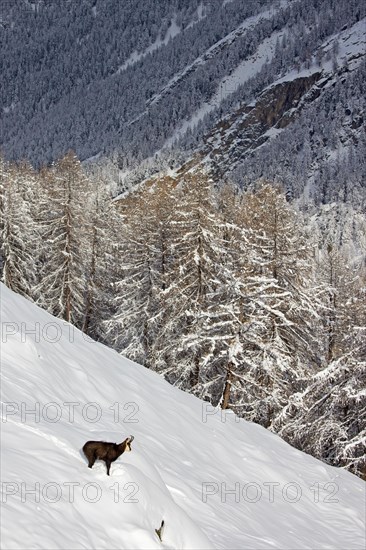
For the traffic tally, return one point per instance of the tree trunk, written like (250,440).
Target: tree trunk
(67,288)
(195,373)
(89,297)
(226,393)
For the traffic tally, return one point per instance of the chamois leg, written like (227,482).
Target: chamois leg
(108,464)
(91,460)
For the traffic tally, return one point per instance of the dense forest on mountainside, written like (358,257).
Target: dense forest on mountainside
(105,77)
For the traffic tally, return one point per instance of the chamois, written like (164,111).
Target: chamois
(109,452)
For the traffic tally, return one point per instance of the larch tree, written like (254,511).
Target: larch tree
(101,259)
(141,278)
(66,229)
(223,317)
(343,298)
(195,247)
(328,418)
(20,239)
(281,345)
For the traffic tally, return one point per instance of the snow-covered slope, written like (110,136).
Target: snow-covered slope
(185,463)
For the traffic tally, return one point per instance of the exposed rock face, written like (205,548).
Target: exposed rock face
(246,129)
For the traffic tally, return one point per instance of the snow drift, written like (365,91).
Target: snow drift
(217,482)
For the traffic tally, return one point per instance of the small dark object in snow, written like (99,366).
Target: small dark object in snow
(159,531)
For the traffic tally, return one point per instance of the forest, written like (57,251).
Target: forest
(76,85)
(229,294)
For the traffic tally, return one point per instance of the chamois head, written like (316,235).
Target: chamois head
(127,443)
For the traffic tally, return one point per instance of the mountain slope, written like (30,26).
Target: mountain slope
(127,80)
(248,127)
(184,457)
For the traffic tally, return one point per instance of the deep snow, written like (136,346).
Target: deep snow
(184,457)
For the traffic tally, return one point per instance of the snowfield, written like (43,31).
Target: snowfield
(217,482)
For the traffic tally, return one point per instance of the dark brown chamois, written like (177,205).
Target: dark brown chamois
(109,452)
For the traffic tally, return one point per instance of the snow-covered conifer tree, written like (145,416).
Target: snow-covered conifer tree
(66,229)
(328,419)
(142,271)
(20,240)
(102,257)
(281,344)
(196,248)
